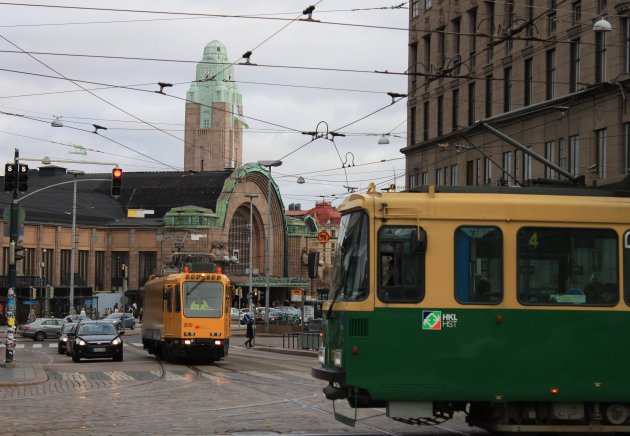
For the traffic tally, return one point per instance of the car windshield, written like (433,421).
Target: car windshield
(97,329)
(203,299)
(66,328)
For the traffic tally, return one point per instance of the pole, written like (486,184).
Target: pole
(74,245)
(251,253)
(42,264)
(267,260)
(13,239)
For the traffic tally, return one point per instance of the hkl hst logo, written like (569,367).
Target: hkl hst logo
(435,320)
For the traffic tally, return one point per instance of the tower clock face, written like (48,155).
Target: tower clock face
(206,72)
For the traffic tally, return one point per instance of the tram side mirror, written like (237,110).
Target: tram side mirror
(419,240)
(313,264)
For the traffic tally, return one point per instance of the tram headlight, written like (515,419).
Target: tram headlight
(321,355)
(187,342)
(337,358)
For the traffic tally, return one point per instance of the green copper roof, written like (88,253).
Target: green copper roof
(214,83)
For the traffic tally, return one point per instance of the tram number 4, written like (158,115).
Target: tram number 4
(533,240)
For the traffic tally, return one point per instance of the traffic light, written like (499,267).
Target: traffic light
(23,178)
(9,177)
(116,181)
(33,293)
(16,252)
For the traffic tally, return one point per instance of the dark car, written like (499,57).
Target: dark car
(96,339)
(41,328)
(62,336)
(121,320)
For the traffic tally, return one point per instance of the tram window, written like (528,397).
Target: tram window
(168,297)
(567,266)
(478,265)
(626,266)
(177,299)
(401,264)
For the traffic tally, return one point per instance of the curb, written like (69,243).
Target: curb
(308,353)
(40,377)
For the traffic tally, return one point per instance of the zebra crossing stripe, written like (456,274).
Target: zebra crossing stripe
(37,345)
(118,376)
(73,376)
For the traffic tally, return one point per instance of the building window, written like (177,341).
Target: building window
(412,126)
(445,174)
(552,16)
(415,8)
(472,30)
(490,29)
(489,96)
(626,44)
(471,103)
(99,270)
(576,12)
(413,66)
(574,73)
(425,178)
(455,109)
(601,139)
(550,80)
(626,149)
(84,265)
(527,166)
(477,171)
(562,155)
(440,115)
(148,266)
(528,71)
(438,177)
(426,49)
(601,6)
(456,26)
(425,127)
(454,175)
(487,170)
(549,145)
(507,89)
(441,48)
(530,20)
(574,155)
(119,258)
(600,57)
(427,4)
(507,164)
(64,278)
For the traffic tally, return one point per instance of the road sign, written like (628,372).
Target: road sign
(323,237)
(30,302)
(88,302)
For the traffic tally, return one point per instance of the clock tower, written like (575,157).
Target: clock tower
(213,127)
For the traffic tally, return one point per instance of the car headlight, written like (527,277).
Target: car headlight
(64,339)
(337,358)
(81,342)
(116,341)
(321,355)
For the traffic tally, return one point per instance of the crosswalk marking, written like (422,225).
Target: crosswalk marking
(73,376)
(118,375)
(169,376)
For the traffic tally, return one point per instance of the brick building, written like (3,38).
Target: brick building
(490,80)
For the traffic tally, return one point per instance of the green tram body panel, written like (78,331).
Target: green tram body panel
(496,355)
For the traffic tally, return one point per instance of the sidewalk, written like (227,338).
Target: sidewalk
(24,371)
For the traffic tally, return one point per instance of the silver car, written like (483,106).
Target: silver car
(41,328)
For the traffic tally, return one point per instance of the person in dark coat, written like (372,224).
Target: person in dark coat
(250,333)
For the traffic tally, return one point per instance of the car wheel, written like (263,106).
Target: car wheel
(133,326)
(39,336)
(118,357)
(60,350)
(75,357)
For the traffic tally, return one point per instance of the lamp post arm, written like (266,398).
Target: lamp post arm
(59,184)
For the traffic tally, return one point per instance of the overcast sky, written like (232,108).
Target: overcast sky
(145,129)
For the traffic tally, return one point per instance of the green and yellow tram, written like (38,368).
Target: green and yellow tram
(509,304)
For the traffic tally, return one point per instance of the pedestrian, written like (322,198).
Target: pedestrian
(140,315)
(250,333)
(135,308)
(115,307)
(31,316)
(82,312)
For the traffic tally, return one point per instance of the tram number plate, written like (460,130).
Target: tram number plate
(98,350)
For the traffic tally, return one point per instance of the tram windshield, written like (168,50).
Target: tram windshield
(203,299)
(350,271)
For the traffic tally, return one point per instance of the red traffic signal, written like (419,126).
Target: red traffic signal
(117,181)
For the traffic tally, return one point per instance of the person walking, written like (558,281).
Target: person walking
(31,316)
(250,333)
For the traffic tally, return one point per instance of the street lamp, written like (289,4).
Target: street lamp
(251,251)
(73,239)
(268,164)
(42,265)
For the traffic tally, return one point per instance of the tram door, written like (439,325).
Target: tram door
(170,294)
